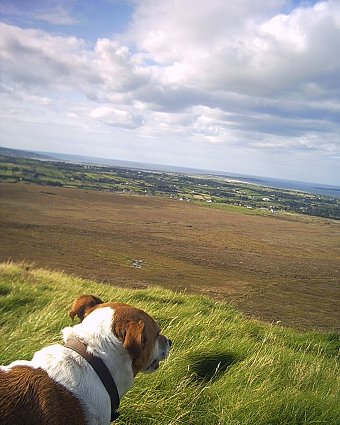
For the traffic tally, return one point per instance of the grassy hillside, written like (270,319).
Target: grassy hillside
(223,369)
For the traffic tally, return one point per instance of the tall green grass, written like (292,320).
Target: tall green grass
(223,368)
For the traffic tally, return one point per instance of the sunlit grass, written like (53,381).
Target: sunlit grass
(223,368)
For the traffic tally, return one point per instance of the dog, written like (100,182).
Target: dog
(82,381)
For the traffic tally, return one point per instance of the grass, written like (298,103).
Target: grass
(223,368)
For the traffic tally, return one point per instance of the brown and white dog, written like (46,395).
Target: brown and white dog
(58,386)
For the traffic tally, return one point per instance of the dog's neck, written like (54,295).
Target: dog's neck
(102,372)
(102,343)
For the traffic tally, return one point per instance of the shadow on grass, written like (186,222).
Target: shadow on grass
(208,366)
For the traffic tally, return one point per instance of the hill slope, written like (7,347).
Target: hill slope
(223,369)
(270,267)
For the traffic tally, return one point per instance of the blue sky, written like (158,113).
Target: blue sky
(246,87)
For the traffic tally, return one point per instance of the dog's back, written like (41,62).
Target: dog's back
(28,396)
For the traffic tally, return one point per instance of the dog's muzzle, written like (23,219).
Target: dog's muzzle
(161,352)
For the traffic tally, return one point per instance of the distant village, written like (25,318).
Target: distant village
(208,189)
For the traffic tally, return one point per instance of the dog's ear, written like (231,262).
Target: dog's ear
(133,339)
(83,305)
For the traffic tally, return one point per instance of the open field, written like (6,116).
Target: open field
(278,268)
(223,369)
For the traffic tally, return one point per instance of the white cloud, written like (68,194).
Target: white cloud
(116,67)
(207,46)
(34,58)
(58,15)
(221,74)
(117,117)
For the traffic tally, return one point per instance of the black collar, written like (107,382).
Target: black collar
(101,370)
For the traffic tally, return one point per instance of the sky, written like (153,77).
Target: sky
(247,87)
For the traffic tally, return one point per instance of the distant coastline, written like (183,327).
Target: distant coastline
(315,188)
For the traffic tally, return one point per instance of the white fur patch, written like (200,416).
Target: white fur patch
(96,332)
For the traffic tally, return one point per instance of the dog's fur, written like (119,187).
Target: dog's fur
(58,386)
(82,305)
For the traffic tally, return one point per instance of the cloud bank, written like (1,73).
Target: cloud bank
(243,86)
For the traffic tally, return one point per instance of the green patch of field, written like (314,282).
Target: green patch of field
(253,199)
(223,368)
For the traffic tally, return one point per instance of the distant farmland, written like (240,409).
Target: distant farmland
(218,190)
(281,268)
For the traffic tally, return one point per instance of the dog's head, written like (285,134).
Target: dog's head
(134,328)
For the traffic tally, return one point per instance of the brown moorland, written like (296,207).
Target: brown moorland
(280,268)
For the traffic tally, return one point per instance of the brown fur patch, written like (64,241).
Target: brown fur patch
(83,305)
(137,330)
(30,397)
